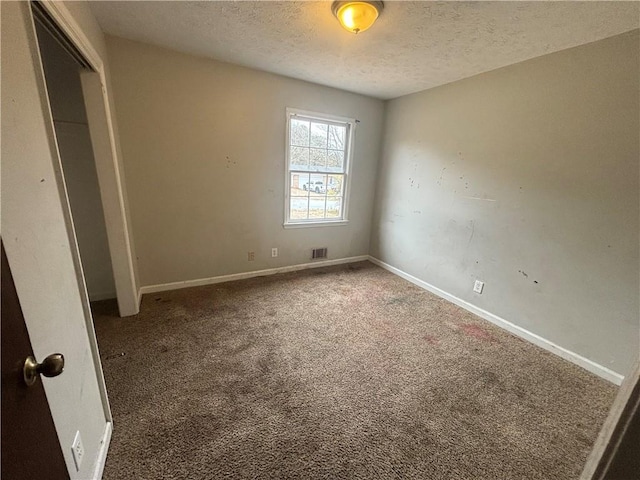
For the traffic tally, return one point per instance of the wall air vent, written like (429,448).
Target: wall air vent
(319,253)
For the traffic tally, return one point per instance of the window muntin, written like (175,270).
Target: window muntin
(318,154)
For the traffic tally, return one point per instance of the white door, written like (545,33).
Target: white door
(37,232)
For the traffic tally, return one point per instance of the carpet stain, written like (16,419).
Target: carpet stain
(398,301)
(476,331)
(431,339)
(386,329)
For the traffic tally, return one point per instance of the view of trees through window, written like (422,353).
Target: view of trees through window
(317,152)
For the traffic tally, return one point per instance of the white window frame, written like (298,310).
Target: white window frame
(348,159)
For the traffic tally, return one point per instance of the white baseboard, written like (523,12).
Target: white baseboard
(241,276)
(98,468)
(573,357)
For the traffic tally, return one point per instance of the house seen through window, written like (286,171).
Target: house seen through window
(318,161)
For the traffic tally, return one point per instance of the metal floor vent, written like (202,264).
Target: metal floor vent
(319,253)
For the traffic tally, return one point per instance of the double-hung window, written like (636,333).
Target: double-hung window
(319,151)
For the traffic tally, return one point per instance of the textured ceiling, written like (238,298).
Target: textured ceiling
(413,45)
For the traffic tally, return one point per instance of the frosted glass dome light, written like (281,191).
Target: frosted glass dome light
(357,16)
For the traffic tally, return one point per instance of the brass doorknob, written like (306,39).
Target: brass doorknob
(51,366)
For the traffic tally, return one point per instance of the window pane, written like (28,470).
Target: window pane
(317,185)
(316,206)
(317,158)
(298,184)
(299,158)
(335,160)
(318,135)
(334,185)
(336,137)
(334,207)
(299,132)
(299,208)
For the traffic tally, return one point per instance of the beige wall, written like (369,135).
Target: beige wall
(527,179)
(204,145)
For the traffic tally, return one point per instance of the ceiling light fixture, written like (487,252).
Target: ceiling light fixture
(357,16)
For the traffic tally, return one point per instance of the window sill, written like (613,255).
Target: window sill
(315,224)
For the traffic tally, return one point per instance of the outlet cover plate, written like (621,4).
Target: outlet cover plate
(274,252)
(78,450)
(478,286)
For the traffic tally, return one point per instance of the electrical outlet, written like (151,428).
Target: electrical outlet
(78,450)
(274,252)
(251,256)
(478,286)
